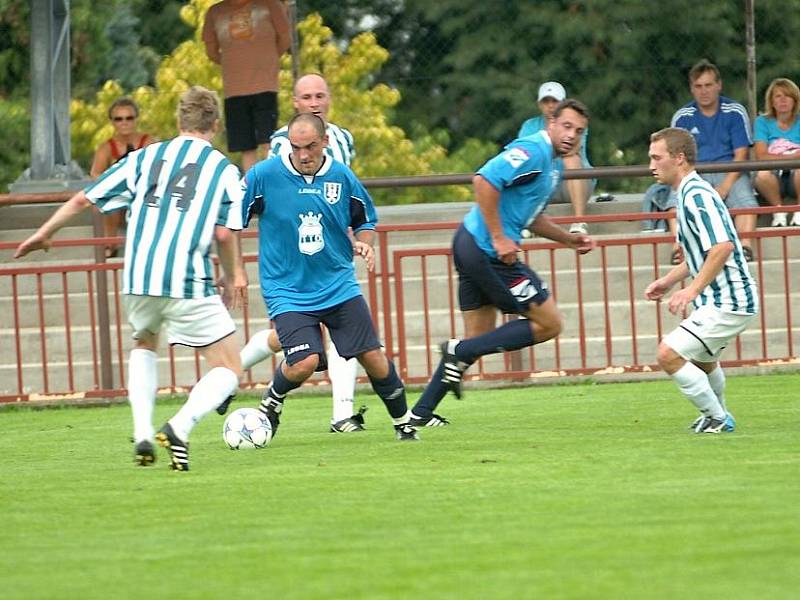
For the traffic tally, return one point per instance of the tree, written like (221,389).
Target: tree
(472,68)
(359,105)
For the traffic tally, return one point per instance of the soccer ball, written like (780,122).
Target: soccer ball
(246,428)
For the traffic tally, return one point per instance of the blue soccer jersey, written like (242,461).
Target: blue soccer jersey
(525,173)
(703,221)
(719,135)
(305,256)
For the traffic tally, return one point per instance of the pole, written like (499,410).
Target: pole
(750,33)
(291,6)
(103,311)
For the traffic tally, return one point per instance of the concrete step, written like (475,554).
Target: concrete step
(420,360)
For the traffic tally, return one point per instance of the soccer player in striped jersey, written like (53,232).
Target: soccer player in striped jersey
(722,291)
(182,194)
(307,204)
(311,94)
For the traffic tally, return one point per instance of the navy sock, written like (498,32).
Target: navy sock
(431,395)
(391,390)
(281,385)
(510,336)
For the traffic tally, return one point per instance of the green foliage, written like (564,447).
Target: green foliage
(573,491)
(14,40)
(382,149)
(15,123)
(473,69)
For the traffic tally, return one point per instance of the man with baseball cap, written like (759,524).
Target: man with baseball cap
(576,191)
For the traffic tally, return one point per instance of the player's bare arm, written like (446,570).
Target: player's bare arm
(658,289)
(488,199)
(543,226)
(363,247)
(41,239)
(234,277)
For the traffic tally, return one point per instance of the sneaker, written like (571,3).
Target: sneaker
(350,424)
(581,228)
(406,432)
(711,425)
(453,368)
(730,424)
(779,220)
(696,423)
(223,407)
(271,409)
(433,421)
(144,454)
(795,219)
(177,448)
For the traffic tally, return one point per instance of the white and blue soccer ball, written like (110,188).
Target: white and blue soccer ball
(246,429)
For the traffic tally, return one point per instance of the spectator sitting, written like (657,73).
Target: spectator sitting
(660,197)
(576,191)
(777,136)
(721,129)
(123,114)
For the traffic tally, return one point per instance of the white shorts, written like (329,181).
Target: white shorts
(705,333)
(195,322)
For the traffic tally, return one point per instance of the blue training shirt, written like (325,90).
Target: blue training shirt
(719,135)
(305,256)
(526,173)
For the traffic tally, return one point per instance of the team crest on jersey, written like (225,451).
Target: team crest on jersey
(333,192)
(515,156)
(311,240)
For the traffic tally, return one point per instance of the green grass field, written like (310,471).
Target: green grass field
(573,491)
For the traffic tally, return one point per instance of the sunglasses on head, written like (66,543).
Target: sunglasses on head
(123,118)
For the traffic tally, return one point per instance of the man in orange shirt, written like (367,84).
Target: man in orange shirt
(246,38)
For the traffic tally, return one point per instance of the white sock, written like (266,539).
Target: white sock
(206,395)
(717,381)
(694,384)
(142,387)
(343,383)
(257,349)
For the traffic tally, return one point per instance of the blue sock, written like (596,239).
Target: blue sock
(431,395)
(281,385)
(391,390)
(511,336)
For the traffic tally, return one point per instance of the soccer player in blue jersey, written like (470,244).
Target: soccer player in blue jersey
(511,192)
(306,204)
(182,194)
(721,129)
(722,291)
(311,95)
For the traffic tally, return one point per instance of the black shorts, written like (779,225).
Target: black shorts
(349,325)
(487,281)
(250,120)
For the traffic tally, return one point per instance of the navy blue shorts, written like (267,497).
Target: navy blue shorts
(349,325)
(487,281)
(250,120)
